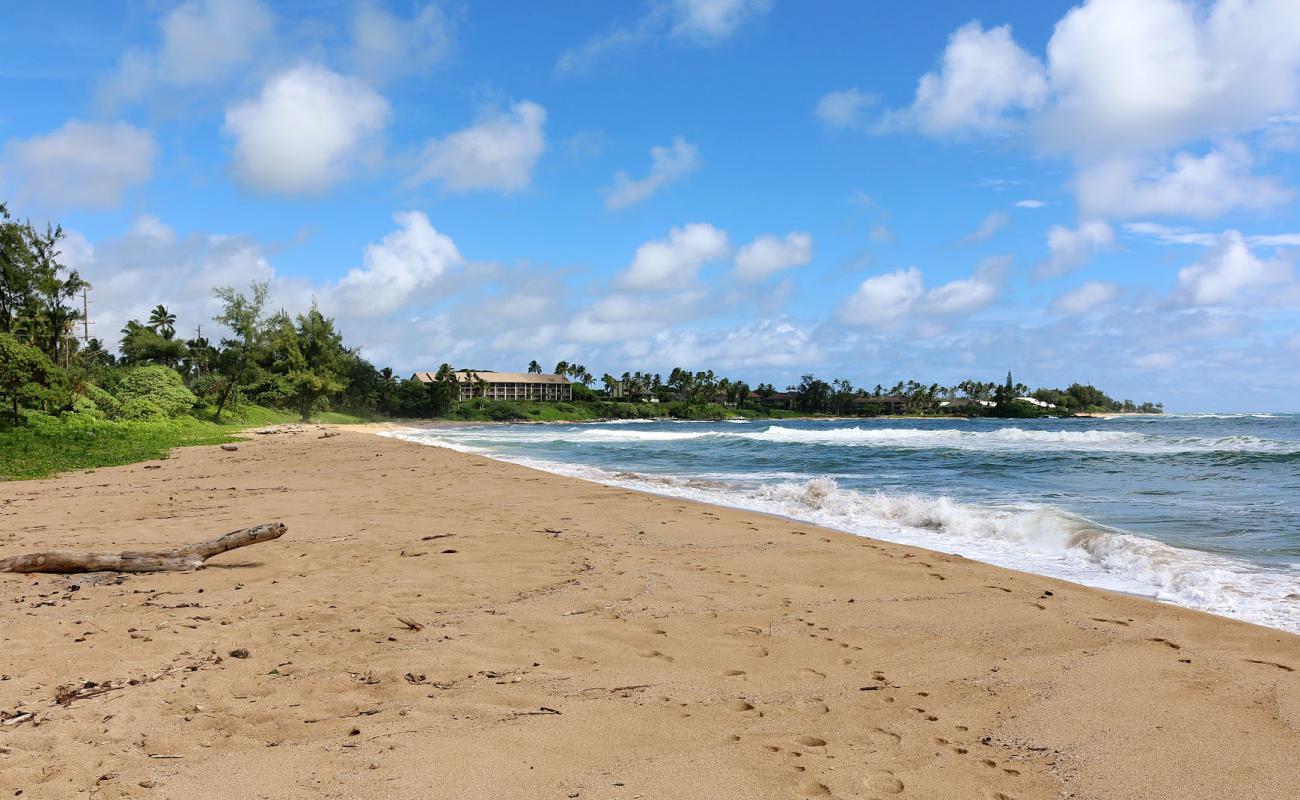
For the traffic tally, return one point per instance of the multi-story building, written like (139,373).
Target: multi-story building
(507,385)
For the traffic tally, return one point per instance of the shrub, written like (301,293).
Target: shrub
(142,409)
(102,400)
(84,405)
(161,386)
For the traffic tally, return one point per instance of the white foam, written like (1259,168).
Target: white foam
(1000,439)
(1038,539)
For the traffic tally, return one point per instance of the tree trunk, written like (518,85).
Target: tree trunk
(230,384)
(176,559)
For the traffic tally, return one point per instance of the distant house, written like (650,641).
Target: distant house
(507,385)
(778,399)
(888,403)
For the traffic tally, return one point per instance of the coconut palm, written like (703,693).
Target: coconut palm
(162,322)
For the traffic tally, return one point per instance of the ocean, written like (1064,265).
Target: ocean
(1199,510)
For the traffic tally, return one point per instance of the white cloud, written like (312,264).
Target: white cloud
(1169,234)
(1030,203)
(1070,249)
(844,109)
(1124,83)
(768,255)
(387,46)
(1227,272)
(765,343)
(305,131)
(985,83)
(710,21)
(668,165)
(1132,76)
(884,299)
(396,269)
(692,22)
(497,152)
(203,42)
(968,295)
(81,164)
(673,263)
(1205,186)
(988,226)
(1086,298)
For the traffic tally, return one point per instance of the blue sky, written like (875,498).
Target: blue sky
(1101,191)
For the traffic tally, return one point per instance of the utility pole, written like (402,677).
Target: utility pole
(85,316)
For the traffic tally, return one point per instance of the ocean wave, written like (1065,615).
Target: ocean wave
(1000,439)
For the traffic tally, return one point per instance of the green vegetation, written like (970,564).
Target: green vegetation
(48,445)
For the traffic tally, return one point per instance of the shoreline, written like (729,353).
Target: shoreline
(1167,566)
(579,638)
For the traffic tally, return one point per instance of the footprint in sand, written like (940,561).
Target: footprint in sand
(814,789)
(733,673)
(811,741)
(740,705)
(1166,643)
(883,781)
(1111,621)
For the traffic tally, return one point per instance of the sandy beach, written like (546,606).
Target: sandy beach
(582,641)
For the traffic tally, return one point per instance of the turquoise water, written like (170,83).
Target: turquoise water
(1198,510)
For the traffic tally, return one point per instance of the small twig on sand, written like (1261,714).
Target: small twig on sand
(540,712)
(410,623)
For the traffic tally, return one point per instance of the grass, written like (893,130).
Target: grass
(48,445)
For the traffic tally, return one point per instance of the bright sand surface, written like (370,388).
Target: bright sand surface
(590,642)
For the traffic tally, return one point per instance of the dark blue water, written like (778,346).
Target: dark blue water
(1200,510)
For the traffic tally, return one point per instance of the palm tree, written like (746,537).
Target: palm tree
(162,321)
(534,368)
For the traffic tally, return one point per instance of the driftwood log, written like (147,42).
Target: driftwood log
(175,559)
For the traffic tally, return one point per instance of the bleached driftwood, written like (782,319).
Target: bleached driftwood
(175,559)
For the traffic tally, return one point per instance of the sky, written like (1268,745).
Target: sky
(1101,192)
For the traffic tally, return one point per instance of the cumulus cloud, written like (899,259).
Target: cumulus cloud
(1228,272)
(768,255)
(1133,76)
(1070,249)
(1086,298)
(691,22)
(1205,186)
(1122,84)
(1030,203)
(387,46)
(889,299)
(81,164)
(203,42)
(672,263)
(668,165)
(845,109)
(305,131)
(397,268)
(497,152)
(986,82)
(884,299)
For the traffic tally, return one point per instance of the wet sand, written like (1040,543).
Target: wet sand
(582,641)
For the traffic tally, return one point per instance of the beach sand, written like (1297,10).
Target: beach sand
(582,641)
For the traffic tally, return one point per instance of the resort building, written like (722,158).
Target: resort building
(507,385)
